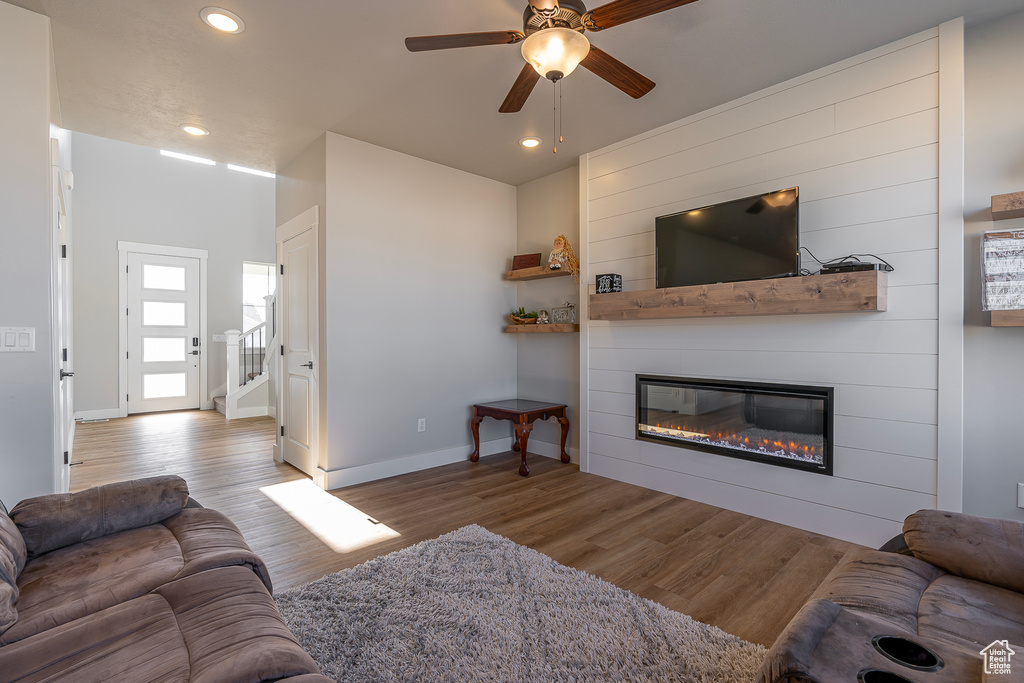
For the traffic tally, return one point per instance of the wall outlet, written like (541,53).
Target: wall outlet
(1020,495)
(421,425)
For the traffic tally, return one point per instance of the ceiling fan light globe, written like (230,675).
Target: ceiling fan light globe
(555,52)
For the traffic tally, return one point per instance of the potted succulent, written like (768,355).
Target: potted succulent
(521,317)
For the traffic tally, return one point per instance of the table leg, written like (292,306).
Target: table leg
(523,430)
(564,421)
(475,424)
(515,442)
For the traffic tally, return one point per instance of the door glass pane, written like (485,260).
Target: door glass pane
(163,313)
(165,385)
(163,277)
(163,349)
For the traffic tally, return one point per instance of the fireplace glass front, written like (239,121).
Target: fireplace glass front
(781,424)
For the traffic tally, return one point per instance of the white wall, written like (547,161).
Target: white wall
(132,193)
(860,139)
(414,309)
(994,371)
(549,364)
(26,379)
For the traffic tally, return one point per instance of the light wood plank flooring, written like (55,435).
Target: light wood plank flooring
(742,574)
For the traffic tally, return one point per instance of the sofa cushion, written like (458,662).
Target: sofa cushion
(886,585)
(12,561)
(85,578)
(59,520)
(979,548)
(219,625)
(971,613)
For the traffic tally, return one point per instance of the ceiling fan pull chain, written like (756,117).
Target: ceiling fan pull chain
(554,117)
(560,110)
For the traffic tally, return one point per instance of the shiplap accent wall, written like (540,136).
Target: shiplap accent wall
(861,140)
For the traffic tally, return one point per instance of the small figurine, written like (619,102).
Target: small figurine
(563,255)
(542,317)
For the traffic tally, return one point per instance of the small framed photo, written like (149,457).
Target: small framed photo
(564,314)
(520,261)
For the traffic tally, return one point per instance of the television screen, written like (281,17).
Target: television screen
(744,239)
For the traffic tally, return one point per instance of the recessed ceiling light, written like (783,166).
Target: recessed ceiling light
(222,20)
(188,157)
(530,142)
(193,129)
(253,171)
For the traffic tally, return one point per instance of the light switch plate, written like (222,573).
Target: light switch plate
(220,337)
(17,339)
(1020,495)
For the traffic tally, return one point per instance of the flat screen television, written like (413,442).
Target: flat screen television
(743,239)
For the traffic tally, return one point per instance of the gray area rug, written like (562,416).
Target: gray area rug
(474,606)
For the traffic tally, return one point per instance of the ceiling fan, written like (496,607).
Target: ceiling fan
(554,44)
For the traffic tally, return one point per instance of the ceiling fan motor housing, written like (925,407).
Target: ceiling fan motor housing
(566,14)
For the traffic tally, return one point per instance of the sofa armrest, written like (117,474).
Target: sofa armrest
(977,548)
(55,521)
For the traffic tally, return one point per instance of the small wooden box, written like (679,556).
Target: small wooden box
(520,261)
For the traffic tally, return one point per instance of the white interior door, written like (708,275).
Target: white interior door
(163,333)
(299,330)
(64,399)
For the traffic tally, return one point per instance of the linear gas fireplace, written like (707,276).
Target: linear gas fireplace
(782,424)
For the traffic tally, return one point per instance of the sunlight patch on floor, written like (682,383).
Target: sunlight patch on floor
(341,527)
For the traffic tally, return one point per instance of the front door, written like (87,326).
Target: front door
(163,332)
(299,339)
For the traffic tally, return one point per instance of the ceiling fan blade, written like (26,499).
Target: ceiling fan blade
(631,82)
(520,91)
(423,43)
(621,11)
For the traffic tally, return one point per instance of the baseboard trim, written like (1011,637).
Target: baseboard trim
(350,476)
(550,450)
(103,414)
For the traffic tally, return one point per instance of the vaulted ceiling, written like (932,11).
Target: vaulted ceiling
(134,70)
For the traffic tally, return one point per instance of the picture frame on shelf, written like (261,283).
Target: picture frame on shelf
(564,314)
(521,261)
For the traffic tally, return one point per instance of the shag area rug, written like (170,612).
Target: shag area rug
(474,606)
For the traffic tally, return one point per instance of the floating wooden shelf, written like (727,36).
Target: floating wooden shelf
(1008,206)
(839,293)
(540,329)
(1008,318)
(538,273)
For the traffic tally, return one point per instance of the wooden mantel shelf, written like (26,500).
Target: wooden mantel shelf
(1008,206)
(838,293)
(538,273)
(540,329)
(1008,318)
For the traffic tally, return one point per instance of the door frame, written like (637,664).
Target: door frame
(307,220)
(123,249)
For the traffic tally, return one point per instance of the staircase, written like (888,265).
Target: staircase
(251,359)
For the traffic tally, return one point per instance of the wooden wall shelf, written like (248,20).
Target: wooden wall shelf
(1008,206)
(538,273)
(1008,318)
(839,293)
(541,329)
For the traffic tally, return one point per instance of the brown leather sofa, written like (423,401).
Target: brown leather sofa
(125,583)
(923,615)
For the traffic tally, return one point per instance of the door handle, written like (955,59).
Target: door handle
(306,365)
(65,374)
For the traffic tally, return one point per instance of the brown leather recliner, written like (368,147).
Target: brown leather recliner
(124,583)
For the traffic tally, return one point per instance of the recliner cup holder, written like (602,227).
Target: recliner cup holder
(880,676)
(907,653)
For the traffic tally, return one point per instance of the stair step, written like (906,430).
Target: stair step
(220,403)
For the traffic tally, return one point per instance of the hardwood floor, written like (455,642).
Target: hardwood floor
(742,574)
